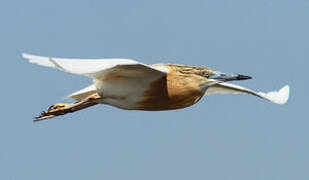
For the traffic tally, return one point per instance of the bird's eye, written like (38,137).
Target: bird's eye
(206,75)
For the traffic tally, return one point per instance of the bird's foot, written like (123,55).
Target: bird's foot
(52,111)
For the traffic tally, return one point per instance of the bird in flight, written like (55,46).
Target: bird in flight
(131,85)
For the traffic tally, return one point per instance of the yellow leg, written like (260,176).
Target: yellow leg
(62,109)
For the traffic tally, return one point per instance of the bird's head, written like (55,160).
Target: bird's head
(206,76)
(211,77)
(211,74)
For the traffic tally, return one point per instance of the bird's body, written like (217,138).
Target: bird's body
(173,90)
(128,84)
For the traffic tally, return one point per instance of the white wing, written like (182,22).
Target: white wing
(278,97)
(95,68)
(118,71)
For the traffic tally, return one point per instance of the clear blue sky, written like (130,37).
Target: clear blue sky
(223,137)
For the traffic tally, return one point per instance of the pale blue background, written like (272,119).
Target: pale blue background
(223,137)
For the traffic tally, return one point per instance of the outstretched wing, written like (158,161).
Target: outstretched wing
(97,68)
(278,97)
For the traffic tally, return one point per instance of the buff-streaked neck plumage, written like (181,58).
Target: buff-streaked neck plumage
(183,86)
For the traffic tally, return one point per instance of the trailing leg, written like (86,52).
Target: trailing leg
(62,109)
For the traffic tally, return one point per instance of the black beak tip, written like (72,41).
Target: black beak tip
(243,77)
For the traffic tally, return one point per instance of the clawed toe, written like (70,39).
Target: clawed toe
(43,115)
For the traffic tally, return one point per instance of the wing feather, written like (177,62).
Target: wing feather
(278,97)
(95,68)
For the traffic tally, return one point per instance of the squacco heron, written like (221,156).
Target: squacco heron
(128,84)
